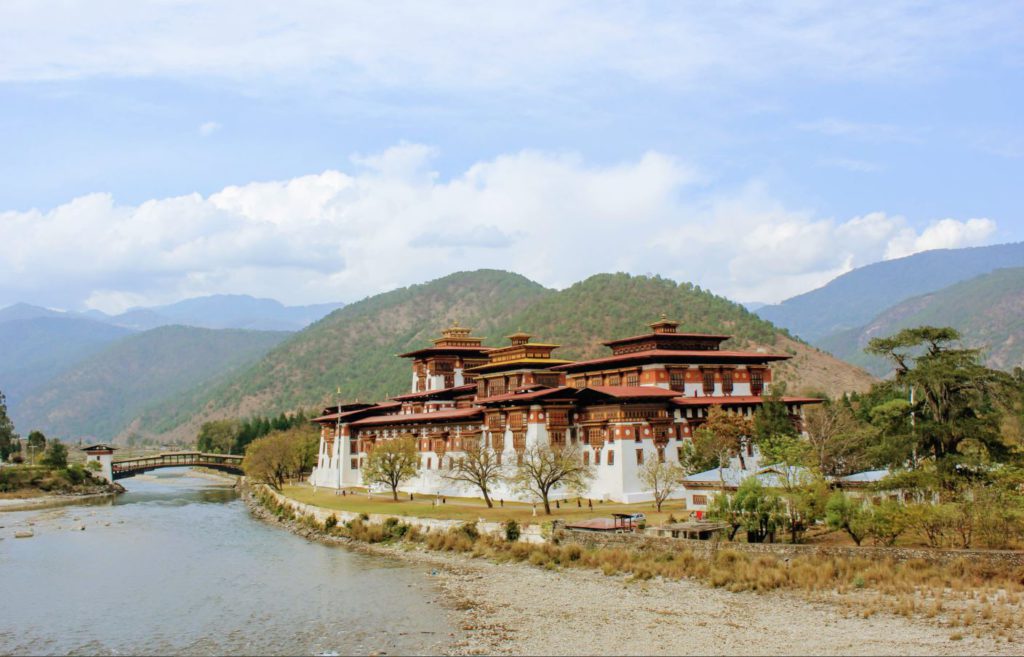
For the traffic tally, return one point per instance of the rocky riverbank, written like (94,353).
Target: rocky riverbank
(515,608)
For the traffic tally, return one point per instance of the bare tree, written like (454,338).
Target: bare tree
(838,441)
(479,467)
(545,469)
(392,462)
(662,478)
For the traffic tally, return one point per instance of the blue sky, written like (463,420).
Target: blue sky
(321,151)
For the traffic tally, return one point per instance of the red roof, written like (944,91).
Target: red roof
(659,336)
(369,410)
(426,351)
(455,390)
(721,400)
(632,392)
(415,418)
(673,354)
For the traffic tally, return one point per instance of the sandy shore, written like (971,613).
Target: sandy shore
(518,609)
(46,500)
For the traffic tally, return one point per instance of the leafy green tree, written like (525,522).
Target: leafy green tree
(7,436)
(56,455)
(760,509)
(955,397)
(804,498)
(772,420)
(886,522)
(274,458)
(36,439)
(218,436)
(848,514)
(391,462)
(723,508)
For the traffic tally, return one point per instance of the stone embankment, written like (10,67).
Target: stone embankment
(530,534)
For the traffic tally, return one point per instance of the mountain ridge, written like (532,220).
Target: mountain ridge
(856,297)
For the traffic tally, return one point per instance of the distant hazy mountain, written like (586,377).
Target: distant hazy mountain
(237,311)
(855,298)
(988,311)
(100,396)
(26,311)
(226,311)
(34,349)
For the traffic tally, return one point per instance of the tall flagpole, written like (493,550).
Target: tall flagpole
(338,432)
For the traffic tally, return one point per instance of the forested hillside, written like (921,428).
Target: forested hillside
(101,395)
(37,347)
(987,310)
(855,298)
(355,347)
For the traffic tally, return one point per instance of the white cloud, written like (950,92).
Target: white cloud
(208,128)
(393,221)
(944,234)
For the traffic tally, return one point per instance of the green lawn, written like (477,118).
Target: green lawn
(466,508)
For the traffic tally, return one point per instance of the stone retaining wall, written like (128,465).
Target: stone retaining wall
(530,533)
(1001,559)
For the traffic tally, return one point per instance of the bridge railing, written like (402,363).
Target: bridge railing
(176,459)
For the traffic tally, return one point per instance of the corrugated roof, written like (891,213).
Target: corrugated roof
(866,477)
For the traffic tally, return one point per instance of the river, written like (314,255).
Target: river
(177,566)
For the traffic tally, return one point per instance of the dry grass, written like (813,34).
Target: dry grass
(969,596)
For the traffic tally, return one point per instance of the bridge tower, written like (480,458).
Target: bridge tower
(104,455)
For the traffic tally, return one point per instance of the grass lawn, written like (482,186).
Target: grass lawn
(467,508)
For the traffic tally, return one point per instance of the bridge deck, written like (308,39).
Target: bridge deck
(129,467)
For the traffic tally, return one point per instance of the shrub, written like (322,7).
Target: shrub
(469,530)
(331,522)
(395,529)
(512,531)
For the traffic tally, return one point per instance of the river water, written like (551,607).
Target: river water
(177,566)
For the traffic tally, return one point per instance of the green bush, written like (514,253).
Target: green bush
(512,530)
(331,522)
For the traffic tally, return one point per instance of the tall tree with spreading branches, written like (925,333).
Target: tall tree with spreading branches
(391,463)
(662,478)
(956,399)
(480,467)
(545,469)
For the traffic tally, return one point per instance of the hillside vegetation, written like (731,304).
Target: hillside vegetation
(101,395)
(34,348)
(987,310)
(354,348)
(855,298)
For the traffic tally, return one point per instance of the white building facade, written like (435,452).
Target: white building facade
(639,404)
